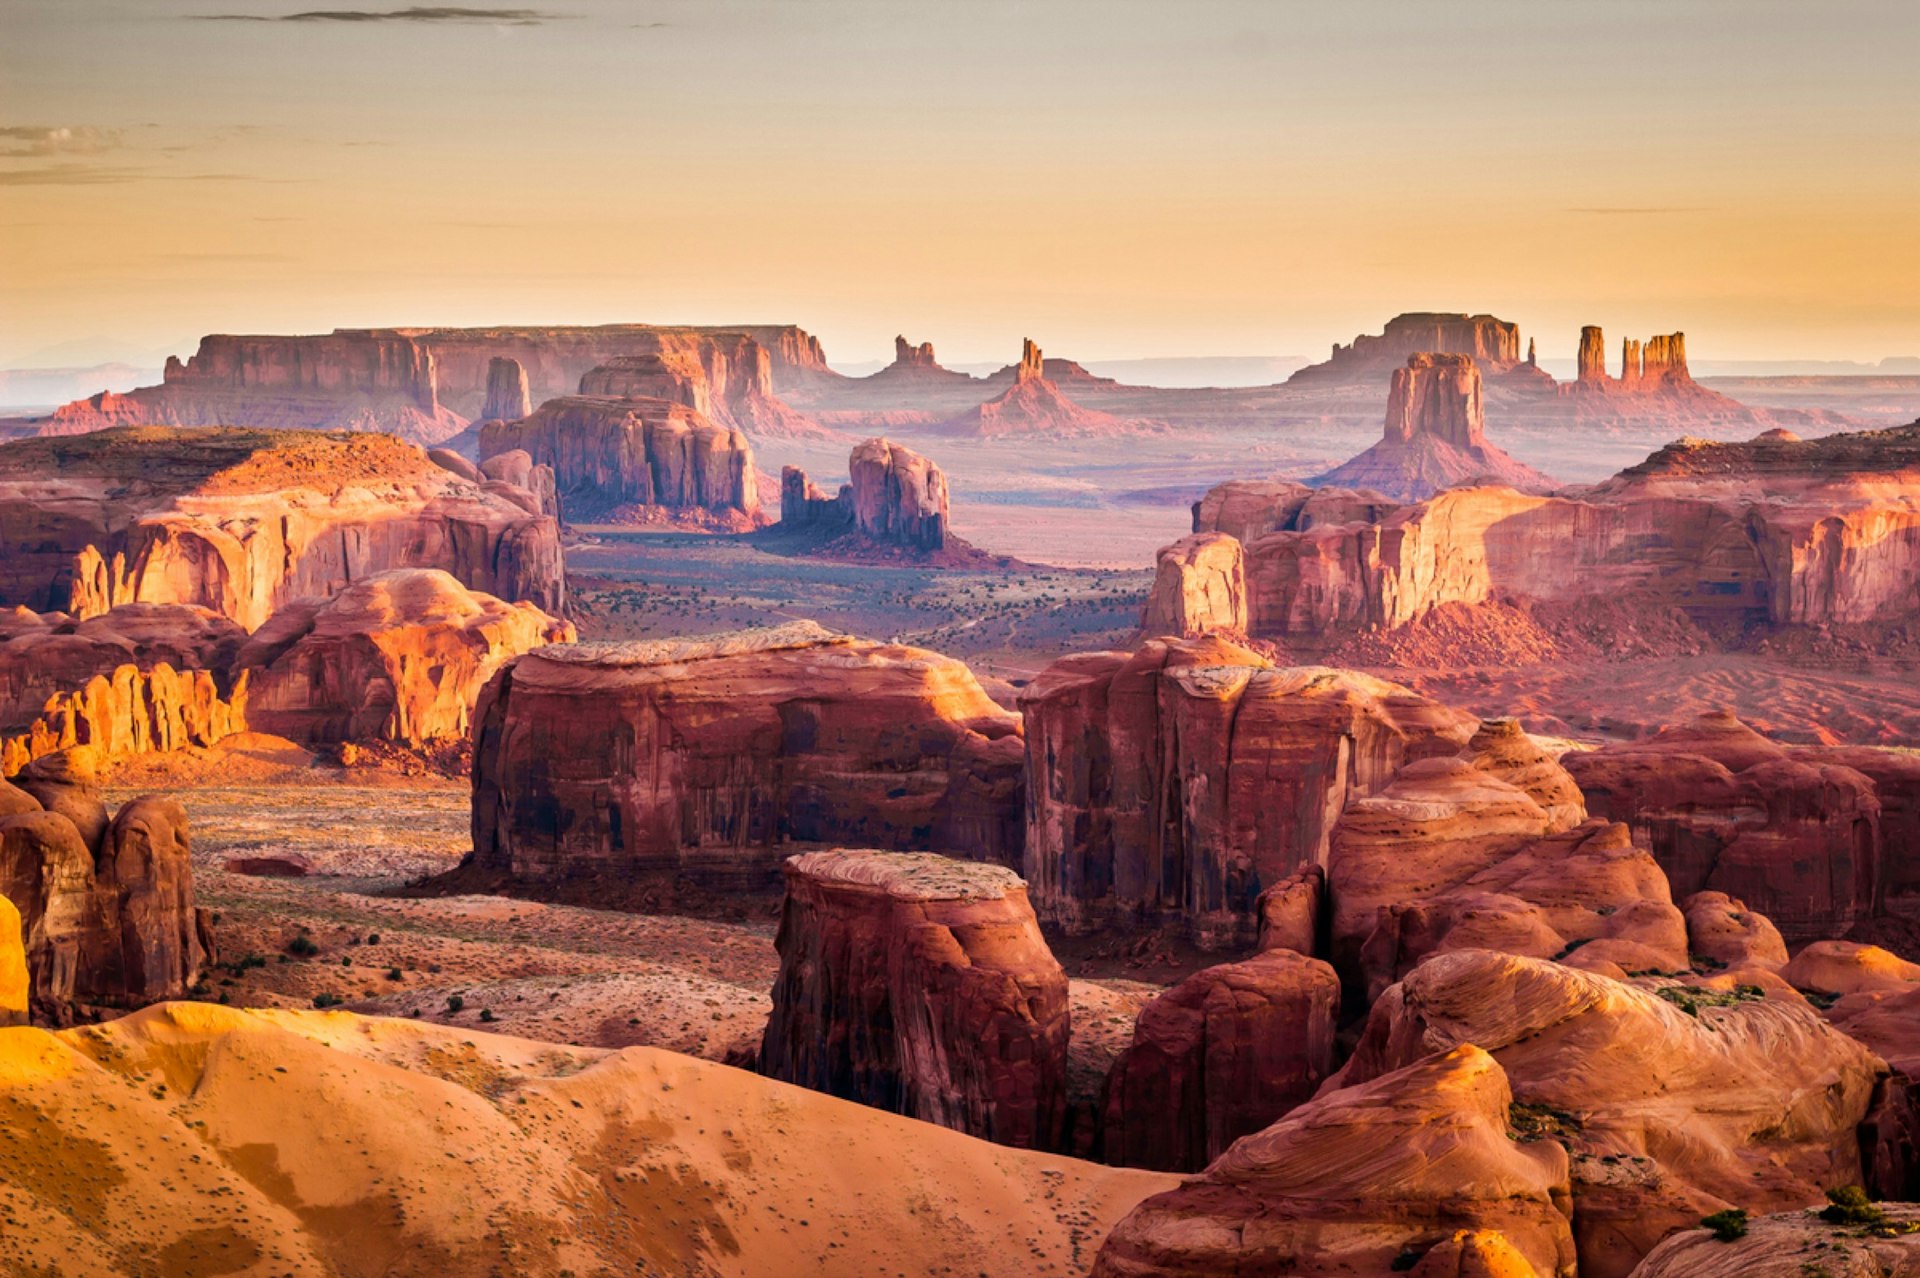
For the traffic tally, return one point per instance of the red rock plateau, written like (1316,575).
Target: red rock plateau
(705,758)
(105,906)
(1436,437)
(400,656)
(1772,1098)
(1364,1180)
(921,985)
(1034,405)
(241,522)
(1225,1053)
(627,458)
(1777,530)
(1174,784)
(425,385)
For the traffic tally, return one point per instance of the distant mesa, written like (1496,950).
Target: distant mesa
(427,385)
(1033,406)
(1493,343)
(895,506)
(916,365)
(1436,437)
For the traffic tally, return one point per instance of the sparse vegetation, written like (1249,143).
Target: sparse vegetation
(1728,1226)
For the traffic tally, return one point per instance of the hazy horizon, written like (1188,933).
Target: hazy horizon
(1118,181)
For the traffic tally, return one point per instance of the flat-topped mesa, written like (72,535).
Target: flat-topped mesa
(676,378)
(1493,343)
(107,913)
(508,399)
(921,985)
(708,758)
(610,456)
(241,521)
(425,384)
(1435,436)
(1174,784)
(1773,530)
(400,656)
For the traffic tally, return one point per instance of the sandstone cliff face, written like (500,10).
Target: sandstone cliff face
(895,499)
(1221,1055)
(425,384)
(1436,437)
(1492,343)
(44,654)
(240,521)
(1199,587)
(1724,809)
(111,925)
(508,399)
(129,711)
(920,985)
(675,376)
(1174,784)
(610,453)
(1361,1181)
(16,985)
(1591,363)
(401,656)
(1794,532)
(703,757)
(1772,1096)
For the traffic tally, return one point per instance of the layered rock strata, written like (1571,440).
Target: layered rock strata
(400,656)
(1174,784)
(921,985)
(241,521)
(1491,343)
(705,757)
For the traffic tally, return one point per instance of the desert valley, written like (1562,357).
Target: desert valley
(675,787)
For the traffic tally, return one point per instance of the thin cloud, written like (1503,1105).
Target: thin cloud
(110,175)
(424,14)
(37,141)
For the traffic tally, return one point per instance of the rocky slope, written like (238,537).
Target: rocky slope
(1436,437)
(1033,405)
(703,757)
(921,985)
(400,656)
(241,521)
(475,1153)
(1174,784)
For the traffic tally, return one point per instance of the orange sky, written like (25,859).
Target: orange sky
(1113,179)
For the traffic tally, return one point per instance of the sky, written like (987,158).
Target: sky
(1115,179)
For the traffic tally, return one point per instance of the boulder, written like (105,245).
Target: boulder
(1672,1107)
(1176,783)
(400,656)
(921,985)
(1723,931)
(1363,1180)
(704,757)
(1292,914)
(1221,1055)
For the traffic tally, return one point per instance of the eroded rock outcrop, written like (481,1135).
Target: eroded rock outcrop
(1362,1180)
(1771,1097)
(1033,405)
(1174,784)
(1724,809)
(1799,1244)
(1221,1055)
(704,757)
(895,504)
(130,711)
(609,454)
(46,654)
(107,925)
(1786,531)
(1492,343)
(1199,588)
(401,656)
(241,521)
(508,399)
(1436,437)
(921,985)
